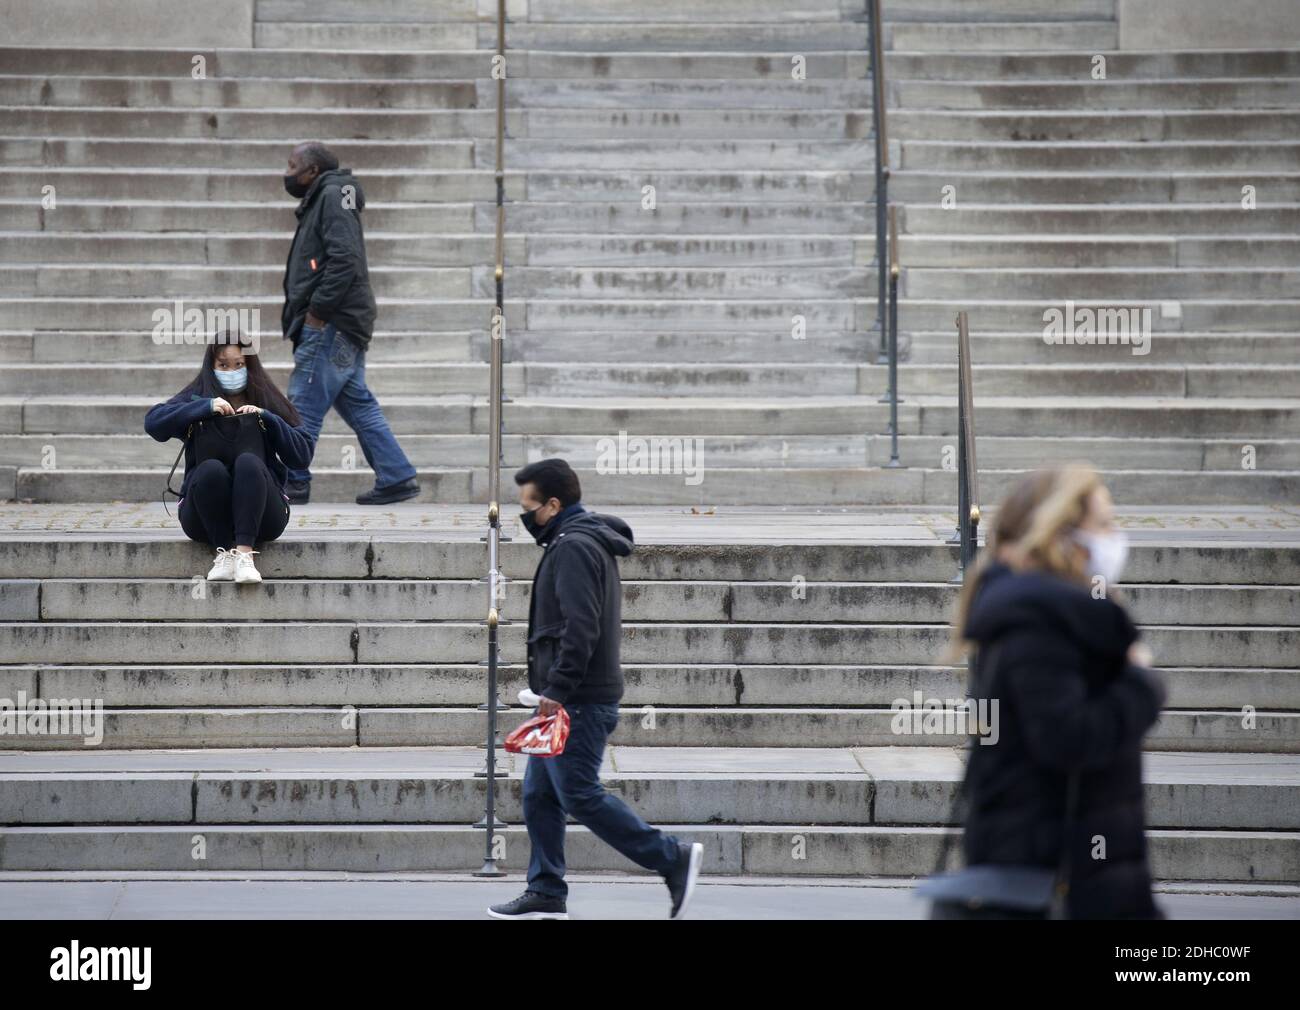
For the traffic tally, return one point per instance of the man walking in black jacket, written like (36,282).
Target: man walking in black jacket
(574,627)
(329,314)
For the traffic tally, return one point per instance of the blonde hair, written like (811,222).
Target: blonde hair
(1032,529)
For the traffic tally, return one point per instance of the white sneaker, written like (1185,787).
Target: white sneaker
(223,568)
(245,570)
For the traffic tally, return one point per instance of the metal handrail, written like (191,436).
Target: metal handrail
(495,580)
(968,509)
(881,131)
(892,392)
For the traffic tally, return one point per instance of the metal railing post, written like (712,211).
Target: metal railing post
(882,170)
(893,340)
(495,581)
(968,510)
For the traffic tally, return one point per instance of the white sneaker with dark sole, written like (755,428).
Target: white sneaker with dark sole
(531,905)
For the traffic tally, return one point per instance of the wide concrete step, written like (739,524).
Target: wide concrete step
(1007,36)
(309,554)
(653,726)
(786,452)
(330,483)
(757,850)
(1109,94)
(287,685)
(1226,314)
(1153,124)
(126,279)
(436,185)
(218,216)
(849,63)
(1116,282)
(1049,416)
(1031,348)
(1120,66)
(1092,251)
(708,217)
(458,186)
(171,92)
(313,36)
(1105,155)
(700,34)
(69,413)
(776,154)
(672,93)
(1121,372)
(681,486)
(74,346)
(431,379)
(220,153)
(1095,188)
(255,124)
(82,642)
(414,248)
(127,600)
(255,314)
(861,786)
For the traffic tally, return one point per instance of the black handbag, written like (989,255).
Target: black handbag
(224,438)
(1000,891)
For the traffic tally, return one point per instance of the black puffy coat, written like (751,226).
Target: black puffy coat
(326,270)
(1056,660)
(575,612)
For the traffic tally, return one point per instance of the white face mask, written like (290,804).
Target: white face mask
(1107,552)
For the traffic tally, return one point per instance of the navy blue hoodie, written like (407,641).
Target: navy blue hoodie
(287,446)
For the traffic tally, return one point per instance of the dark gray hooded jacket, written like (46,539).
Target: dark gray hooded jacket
(575,614)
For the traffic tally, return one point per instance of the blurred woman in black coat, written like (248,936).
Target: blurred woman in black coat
(1074,692)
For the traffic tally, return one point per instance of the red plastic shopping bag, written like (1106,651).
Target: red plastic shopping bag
(542,735)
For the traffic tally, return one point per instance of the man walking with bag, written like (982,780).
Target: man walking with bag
(574,628)
(329,314)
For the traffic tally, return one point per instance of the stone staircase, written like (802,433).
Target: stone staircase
(679,321)
(329,720)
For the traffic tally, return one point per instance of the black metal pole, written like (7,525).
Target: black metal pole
(882,171)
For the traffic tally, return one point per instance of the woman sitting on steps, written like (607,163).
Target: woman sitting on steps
(241,434)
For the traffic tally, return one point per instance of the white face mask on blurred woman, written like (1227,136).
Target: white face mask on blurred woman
(1107,552)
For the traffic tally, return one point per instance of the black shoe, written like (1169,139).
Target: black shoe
(530,905)
(681,882)
(299,492)
(388,495)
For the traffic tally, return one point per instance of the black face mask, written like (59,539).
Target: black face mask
(295,188)
(530,523)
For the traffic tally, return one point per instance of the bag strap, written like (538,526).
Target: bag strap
(175,463)
(964,786)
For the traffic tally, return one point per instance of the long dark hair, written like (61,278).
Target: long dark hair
(261,390)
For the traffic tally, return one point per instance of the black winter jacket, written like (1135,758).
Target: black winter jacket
(286,446)
(1055,658)
(326,270)
(575,614)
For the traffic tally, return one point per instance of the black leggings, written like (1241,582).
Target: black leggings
(241,505)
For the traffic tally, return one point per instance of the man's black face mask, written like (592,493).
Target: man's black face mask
(531,524)
(295,188)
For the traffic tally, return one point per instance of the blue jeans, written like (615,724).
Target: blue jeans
(570,784)
(329,370)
